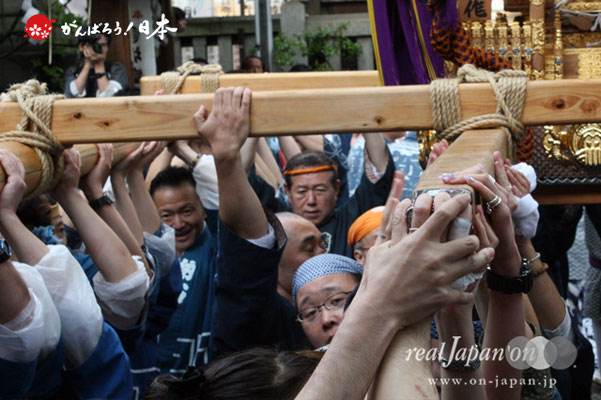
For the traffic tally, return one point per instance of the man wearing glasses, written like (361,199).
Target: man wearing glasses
(321,287)
(93,76)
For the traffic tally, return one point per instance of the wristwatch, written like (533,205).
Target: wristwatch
(511,284)
(101,201)
(5,251)
(99,75)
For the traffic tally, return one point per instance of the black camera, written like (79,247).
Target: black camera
(97,48)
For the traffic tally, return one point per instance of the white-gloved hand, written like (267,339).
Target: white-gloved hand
(526,216)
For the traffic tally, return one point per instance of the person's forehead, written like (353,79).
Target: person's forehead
(175,196)
(371,237)
(312,179)
(321,288)
(302,229)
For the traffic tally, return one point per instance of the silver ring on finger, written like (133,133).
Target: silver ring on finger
(493,204)
(409,215)
(509,188)
(492,179)
(412,229)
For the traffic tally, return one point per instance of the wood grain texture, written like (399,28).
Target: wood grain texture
(312,111)
(273,81)
(31,162)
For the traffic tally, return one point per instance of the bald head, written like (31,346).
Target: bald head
(304,242)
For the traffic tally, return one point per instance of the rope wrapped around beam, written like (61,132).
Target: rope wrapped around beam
(509,88)
(36,106)
(172,81)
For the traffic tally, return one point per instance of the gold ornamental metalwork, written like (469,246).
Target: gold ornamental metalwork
(583,6)
(426,140)
(538,36)
(589,62)
(503,44)
(489,36)
(537,2)
(476,34)
(581,39)
(579,144)
(516,46)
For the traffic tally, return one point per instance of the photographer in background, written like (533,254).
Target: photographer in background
(93,76)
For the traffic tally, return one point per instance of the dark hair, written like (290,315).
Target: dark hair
(256,373)
(308,159)
(35,212)
(178,14)
(172,177)
(200,60)
(91,38)
(246,62)
(300,68)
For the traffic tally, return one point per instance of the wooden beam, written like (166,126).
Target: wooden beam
(273,81)
(399,377)
(567,194)
(33,168)
(314,111)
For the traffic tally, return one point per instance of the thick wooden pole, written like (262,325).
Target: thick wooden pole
(273,81)
(315,111)
(33,168)
(400,377)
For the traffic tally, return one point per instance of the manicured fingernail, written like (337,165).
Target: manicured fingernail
(482,166)
(469,178)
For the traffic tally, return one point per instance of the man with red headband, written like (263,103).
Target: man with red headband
(312,188)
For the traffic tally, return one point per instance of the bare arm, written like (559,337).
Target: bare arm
(25,245)
(548,305)
(456,322)
(289,146)
(248,153)
(123,201)
(310,142)
(267,156)
(505,319)
(93,189)
(145,206)
(14,295)
(110,255)
(377,151)
(264,172)
(226,129)
(159,164)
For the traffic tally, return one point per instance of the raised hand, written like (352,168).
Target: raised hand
(227,126)
(14,187)
(93,183)
(414,276)
(71,174)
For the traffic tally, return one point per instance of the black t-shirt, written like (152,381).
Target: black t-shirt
(249,312)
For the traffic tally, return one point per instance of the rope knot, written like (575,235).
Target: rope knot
(36,106)
(509,88)
(172,81)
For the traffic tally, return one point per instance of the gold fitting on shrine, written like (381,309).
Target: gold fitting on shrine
(579,144)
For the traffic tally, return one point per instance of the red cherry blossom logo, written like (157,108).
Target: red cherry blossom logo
(38,27)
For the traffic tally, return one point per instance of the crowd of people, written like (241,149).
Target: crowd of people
(236,267)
